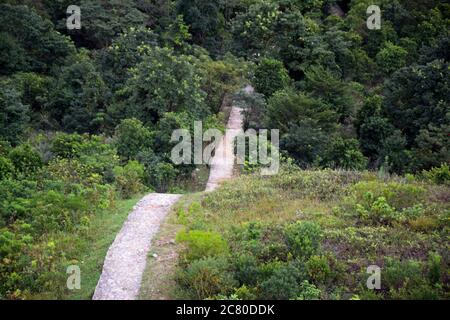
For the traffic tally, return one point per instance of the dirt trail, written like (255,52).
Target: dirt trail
(221,167)
(126,258)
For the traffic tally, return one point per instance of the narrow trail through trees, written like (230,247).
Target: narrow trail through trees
(126,258)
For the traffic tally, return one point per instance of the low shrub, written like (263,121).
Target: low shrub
(206,278)
(6,168)
(308,291)
(246,269)
(402,274)
(438,175)
(318,268)
(398,195)
(245,293)
(303,238)
(377,210)
(282,284)
(128,179)
(26,161)
(201,244)
(435,268)
(264,242)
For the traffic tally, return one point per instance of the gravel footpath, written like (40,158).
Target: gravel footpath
(221,166)
(126,258)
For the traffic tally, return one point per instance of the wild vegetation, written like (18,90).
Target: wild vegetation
(86,118)
(312,235)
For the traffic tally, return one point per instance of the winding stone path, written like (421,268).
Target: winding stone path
(221,166)
(126,258)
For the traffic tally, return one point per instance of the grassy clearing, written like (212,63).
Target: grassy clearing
(312,235)
(93,247)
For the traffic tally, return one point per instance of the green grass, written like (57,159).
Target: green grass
(104,228)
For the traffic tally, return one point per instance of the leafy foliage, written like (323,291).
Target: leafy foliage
(270,76)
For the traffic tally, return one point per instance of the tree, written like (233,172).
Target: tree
(287,106)
(162,82)
(305,141)
(270,76)
(394,155)
(432,147)
(305,124)
(372,128)
(417,97)
(76,102)
(253,30)
(327,86)
(103,20)
(391,57)
(29,42)
(13,114)
(132,137)
(125,52)
(206,22)
(343,154)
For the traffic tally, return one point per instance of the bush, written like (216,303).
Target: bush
(264,242)
(438,175)
(91,151)
(435,270)
(202,244)
(6,168)
(308,291)
(128,179)
(344,154)
(246,269)
(65,145)
(402,274)
(207,277)
(378,211)
(26,161)
(270,76)
(282,285)
(161,175)
(5,148)
(398,195)
(303,238)
(318,268)
(391,57)
(132,137)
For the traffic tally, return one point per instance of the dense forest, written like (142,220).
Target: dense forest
(86,118)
